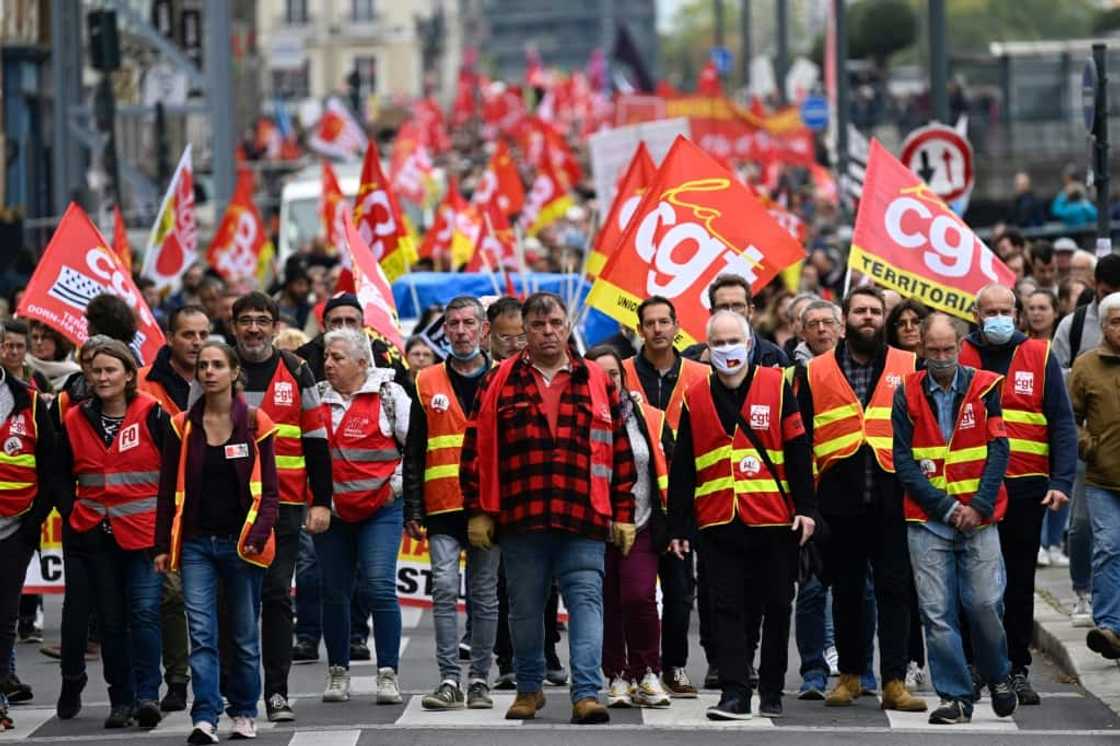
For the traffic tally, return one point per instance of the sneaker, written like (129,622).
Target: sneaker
(711,678)
(832,658)
(677,683)
(338,685)
(1082,613)
(1004,699)
(305,651)
(1043,557)
(70,698)
(120,716)
(556,676)
(1058,558)
(203,732)
(388,690)
(447,696)
(1023,689)
(649,692)
(478,696)
(770,704)
(278,710)
(31,634)
(618,693)
(868,685)
(15,690)
(359,650)
(731,707)
(813,687)
(951,712)
(148,714)
(506,681)
(243,728)
(917,679)
(175,700)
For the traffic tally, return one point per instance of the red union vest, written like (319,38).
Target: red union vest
(1021,398)
(120,481)
(283,404)
(731,479)
(19,481)
(447,425)
(655,426)
(955,467)
(690,372)
(362,458)
(840,423)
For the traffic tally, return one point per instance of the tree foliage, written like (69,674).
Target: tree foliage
(879,28)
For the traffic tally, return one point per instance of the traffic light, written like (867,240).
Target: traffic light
(104,44)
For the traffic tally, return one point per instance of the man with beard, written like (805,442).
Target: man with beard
(845,397)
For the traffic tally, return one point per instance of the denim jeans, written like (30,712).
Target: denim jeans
(968,572)
(813,627)
(1080,536)
(208,562)
(309,609)
(1104,509)
(532,561)
(371,548)
(482,590)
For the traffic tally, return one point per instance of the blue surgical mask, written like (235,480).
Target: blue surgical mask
(998,329)
(936,367)
(475,352)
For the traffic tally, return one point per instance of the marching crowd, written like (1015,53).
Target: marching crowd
(873,471)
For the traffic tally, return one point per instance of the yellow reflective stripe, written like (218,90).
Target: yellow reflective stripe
(831,446)
(938,481)
(877,413)
(1029,446)
(880,443)
(934,452)
(290,462)
(255,489)
(715,485)
(662,481)
(446,471)
(758,485)
(15,485)
(832,415)
(776,457)
(704,460)
(445,441)
(26,459)
(1020,417)
(251,516)
(963,486)
(288,431)
(978,453)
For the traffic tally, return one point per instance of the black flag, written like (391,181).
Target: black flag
(626,52)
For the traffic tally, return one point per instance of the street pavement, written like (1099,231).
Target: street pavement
(1068,715)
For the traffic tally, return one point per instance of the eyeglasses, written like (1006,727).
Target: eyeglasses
(820,324)
(261,322)
(508,339)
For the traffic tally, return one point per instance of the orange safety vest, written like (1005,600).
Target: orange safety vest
(156,391)
(841,426)
(690,372)
(1021,398)
(447,424)
(262,428)
(731,478)
(19,480)
(282,402)
(119,481)
(955,467)
(655,426)
(362,458)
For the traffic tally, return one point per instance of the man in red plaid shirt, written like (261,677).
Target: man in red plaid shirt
(546,466)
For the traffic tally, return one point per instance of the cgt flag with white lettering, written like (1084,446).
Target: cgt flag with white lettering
(173,243)
(908,240)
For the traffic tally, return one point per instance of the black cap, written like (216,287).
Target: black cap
(341,299)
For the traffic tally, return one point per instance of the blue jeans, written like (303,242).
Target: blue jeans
(371,546)
(1080,536)
(207,562)
(532,561)
(814,633)
(1104,510)
(482,592)
(309,610)
(964,571)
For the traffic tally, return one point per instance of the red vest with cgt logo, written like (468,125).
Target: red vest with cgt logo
(19,481)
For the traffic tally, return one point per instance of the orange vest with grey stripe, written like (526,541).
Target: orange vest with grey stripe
(261,427)
(19,477)
(655,426)
(119,481)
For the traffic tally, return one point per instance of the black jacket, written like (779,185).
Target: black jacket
(763,352)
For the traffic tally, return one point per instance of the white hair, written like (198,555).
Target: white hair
(821,305)
(357,344)
(1110,303)
(744,326)
(1084,253)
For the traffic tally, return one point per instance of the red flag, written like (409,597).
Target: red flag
(708,83)
(378,219)
(371,287)
(501,183)
(120,240)
(437,241)
(496,243)
(908,240)
(541,142)
(410,165)
(333,208)
(338,134)
(76,267)
(548,201)
(696,221)
(633,184)
(173,242)
(466,101)
(241,248)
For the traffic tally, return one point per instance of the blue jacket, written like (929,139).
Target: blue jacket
(1081,212)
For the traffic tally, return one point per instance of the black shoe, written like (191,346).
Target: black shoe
(977,684)
(1004,699)
(464,651)
(951,712)
(175,700)
(305,651)
(770,705)
(711,679)
(278,710)
(120,716)
(506,681)
(15,690)
(30,634)
(147,714)
(732,706)
(359,651)
(70,698)
(1023,689)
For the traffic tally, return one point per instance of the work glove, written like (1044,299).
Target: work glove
(623,535)
(480,531)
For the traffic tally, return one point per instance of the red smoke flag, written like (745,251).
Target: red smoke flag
(908,240)
(501,182)
(120,240)
(548,201)
(333,208)
(637,178)
(337,133)
(371,286)
(695,221)
(378,219)
(173,242)
(76,267)
(437,241)
(241,248)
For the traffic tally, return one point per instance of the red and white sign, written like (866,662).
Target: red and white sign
(942,158)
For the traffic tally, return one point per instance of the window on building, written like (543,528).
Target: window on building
(366,67)
(295,11)
(361,10)
(292,84)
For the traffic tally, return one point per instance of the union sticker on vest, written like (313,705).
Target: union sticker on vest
(750,465)
(237,450)
(440,402)
(130,437)
(282,394)
(17,426)
(760,417)
(968,418)
(1024,382)
(12,445)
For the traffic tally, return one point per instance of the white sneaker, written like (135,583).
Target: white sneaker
(832,658)
(916,678)
(388,690)
(338,685)
(243,727)
(1058,558)
(1082,613)
(649,692)
(203,733)
(1043,557)
(618,693)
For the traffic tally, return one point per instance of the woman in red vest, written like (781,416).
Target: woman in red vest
(111,450)
(631,628)
(217,504)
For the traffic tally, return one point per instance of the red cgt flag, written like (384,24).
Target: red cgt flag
(637,178)
(696,221)
(501,183)
(371,286)
(410,165)
(378,219)
(120,240)
(333,208)
(908,240)
(437,241)
(76,267)
(548,201)
(496,247)
(241,248)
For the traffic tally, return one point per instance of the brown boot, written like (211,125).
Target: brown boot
(846,691)
(897,697)
(525,705)
(588,711)
(1104,642)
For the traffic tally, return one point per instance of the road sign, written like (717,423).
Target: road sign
(1089,94)
(163,83)
(942,158)
(814,112)
(721,58)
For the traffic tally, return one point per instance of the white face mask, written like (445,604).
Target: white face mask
(729,359)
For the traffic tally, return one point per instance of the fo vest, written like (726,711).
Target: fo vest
(119,481)
(156,391)
(283,404)
(690,373)
(362,458)
(841,426)
(957,466)
(655,427)
(1021,398)
(19,480)
(732,479)
(447,424)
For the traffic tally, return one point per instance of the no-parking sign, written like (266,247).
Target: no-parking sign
(942,158)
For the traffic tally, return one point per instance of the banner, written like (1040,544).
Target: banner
(371,287)
(76,267)
(173,243)
(611,151)
(696,221)
(241,248)
(333,208)
(378,219)
(639,175)
(120,240)
(44,571)
(908,240)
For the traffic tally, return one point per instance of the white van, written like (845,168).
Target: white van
(300,205)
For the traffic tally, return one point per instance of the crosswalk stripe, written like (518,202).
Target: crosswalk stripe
(983,719)
(693,713)
(179,723)
(415,715)
(27,720)
(325,738)
(410,616)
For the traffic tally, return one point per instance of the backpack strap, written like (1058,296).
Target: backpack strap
(1076,327)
